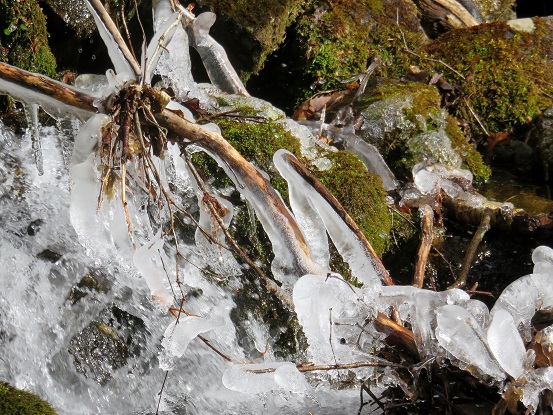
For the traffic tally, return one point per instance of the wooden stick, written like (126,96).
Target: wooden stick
(339,366)
(397,335)
(112,29)
(425,246)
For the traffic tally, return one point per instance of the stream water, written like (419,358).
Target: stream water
(96,347)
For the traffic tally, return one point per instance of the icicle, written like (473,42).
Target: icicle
(523,297)
(506,344)
(159,43)
(319,301)
(352,250)
(292,258)
(460,334)
(215,59)
(153,273)
(178,335)
(174,65)
(31,111)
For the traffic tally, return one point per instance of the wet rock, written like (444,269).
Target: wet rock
(405,122)
(492,10)
(24,38)
(34,227)
(49,255)
(249,31)
(106,344)
(93,282)
(98,351)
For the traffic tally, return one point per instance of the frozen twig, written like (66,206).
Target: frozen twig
(112,29)
(469,257)
(426,244)
(270,284)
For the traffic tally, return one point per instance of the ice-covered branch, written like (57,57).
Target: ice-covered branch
(121,56)
(54,95)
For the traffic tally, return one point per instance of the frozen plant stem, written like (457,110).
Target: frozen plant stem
(425,246)
(476,239)
(270,284)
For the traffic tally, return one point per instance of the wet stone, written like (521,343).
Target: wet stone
(98,351)
(107,343)
(49,255)
(93,282)
(34,227)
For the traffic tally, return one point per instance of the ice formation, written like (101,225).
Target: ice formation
(312,211)
(320,303)
(152,271)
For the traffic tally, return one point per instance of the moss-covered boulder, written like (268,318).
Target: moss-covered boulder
(24,38)
(407,124)
(250,30)
(15,401)
(492,10)
(504,72)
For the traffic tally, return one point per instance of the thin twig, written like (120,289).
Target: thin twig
(471,251)
(476,117)
(161,391)
(423,57)
(425,245)
(343,366)
(124,202)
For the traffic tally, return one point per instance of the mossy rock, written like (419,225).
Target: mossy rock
(250,30)
(505,74)
(15,401)
(406,123)
(24,38)
(338,38)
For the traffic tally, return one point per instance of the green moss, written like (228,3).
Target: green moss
(472,159)
(18,402)
(23,37)
(340,37)
(506,75)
